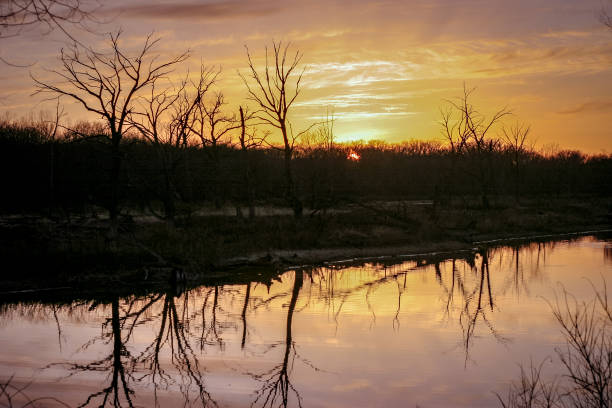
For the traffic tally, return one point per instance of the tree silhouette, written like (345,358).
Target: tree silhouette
(157,122)
(274,91)
(468,133)
(247,140)
(108,84)
(516,142)
(16,15)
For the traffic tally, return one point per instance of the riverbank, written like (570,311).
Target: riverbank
(78,252)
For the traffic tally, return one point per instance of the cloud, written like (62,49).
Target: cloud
(567,34)
(197,11)
(588,107)
(364,115)
(346,100)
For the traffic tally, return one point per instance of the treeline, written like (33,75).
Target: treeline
(69,171)
(168,147)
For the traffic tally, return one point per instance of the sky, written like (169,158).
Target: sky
(384,68)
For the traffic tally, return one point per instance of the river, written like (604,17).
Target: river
(428,331)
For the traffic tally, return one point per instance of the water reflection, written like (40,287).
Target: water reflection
(276,385)
(237,344)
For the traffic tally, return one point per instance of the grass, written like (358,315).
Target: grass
(79,251)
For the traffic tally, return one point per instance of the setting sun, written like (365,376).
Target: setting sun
(353,156)
(186,221)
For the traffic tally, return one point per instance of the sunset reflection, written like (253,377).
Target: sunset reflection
(351,335)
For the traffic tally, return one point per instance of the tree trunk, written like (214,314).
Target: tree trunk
(294,201)
(115,178)
(246,162)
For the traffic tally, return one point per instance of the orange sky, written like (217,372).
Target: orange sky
(383,67)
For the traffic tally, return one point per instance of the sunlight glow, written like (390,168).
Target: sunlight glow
(353,156)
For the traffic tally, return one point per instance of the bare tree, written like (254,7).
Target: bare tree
(248,140)
(108,84)
(186,113)
(213,124)
(274,91)
(516,138)
(218,121)
(187,110)
(532,392)
(154,123)
(318,146)
(16,15)
(586,357)
(468,133)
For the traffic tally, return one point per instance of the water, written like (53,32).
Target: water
(437,332)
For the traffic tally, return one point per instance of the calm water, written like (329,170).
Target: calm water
(432,333)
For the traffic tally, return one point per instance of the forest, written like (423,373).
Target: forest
(69,173)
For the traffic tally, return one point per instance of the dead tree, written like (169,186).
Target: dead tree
(16,15)
(468,133)
(187,110)
(218,122)
(516,139)
(154,123)
(213,126)
(108,84)
(318,147)
(188,107)
(248,140)
(274,91)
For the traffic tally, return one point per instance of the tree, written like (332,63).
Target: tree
(319,150)
(213,126)
(248,140)
(15,15)
(586,356)
(154,123)
(516,139)
(108,84)
(468,133)
(273,92)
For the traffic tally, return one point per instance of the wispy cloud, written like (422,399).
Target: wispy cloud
(198,11)
(589,107)
(363,115)
(346,100)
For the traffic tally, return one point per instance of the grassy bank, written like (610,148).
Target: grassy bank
(40,252)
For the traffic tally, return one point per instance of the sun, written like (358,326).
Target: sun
(353,156)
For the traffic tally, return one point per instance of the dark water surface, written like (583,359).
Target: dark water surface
(429,332)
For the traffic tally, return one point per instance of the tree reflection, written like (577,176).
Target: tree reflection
(276,383)
(173,334)
(158,342)
(171,341)
(247,295)
(118,363)
(477,303)
(211,333)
